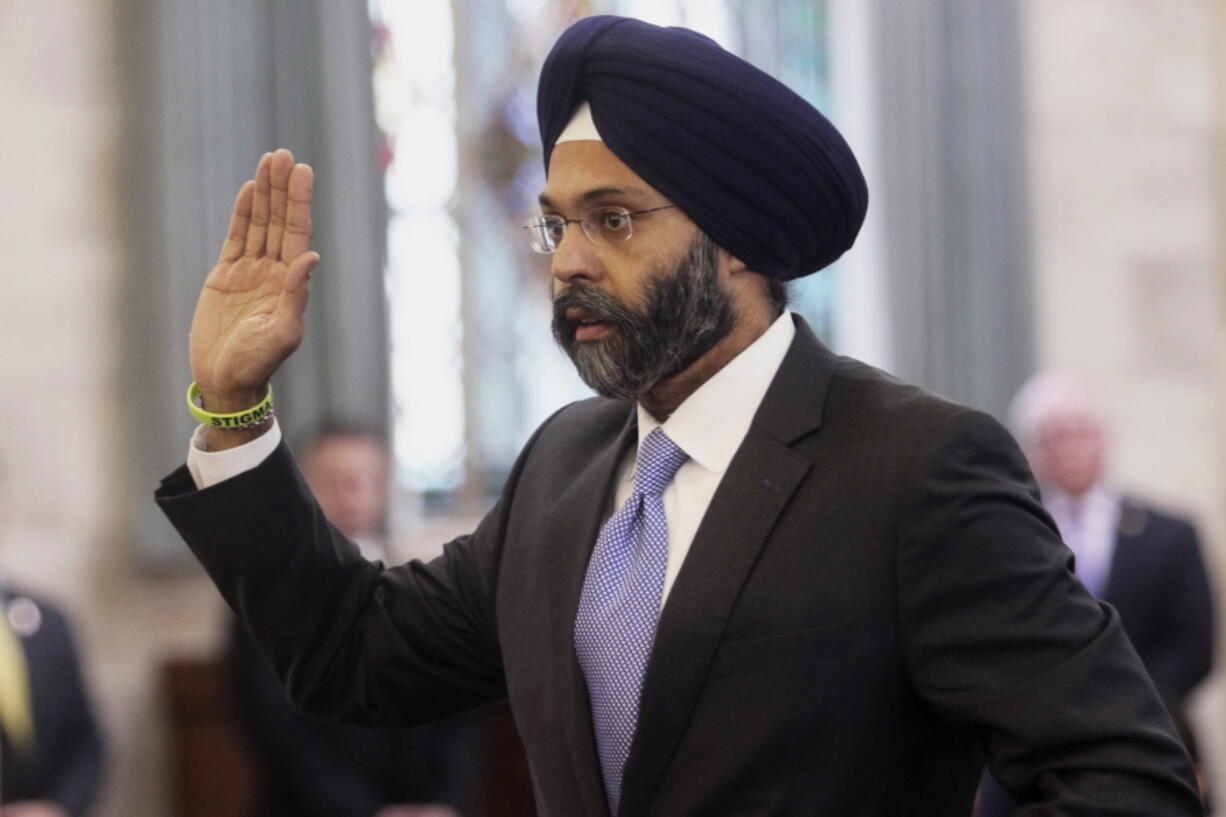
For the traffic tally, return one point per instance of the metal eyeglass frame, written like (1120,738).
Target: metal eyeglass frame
(539,238)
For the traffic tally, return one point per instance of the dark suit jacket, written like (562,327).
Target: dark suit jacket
(313,769)
(66,765)
(1159,586)
(873,597)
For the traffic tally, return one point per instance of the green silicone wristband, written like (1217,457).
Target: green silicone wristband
(249,418)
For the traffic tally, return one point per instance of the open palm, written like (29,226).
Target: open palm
(249,316)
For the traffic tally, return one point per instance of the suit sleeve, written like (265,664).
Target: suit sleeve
(350,640)
(1002,640)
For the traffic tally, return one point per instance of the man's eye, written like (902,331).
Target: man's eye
(614,221)
(554,228)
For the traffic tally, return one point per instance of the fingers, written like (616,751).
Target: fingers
(297,236)
(236,238)
(272,214)
(257,231)
(282,166)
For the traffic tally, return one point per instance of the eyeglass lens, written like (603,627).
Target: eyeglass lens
(601,225)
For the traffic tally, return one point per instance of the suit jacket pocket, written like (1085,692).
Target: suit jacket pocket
(779,652)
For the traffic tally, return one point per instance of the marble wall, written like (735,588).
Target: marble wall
(59,217)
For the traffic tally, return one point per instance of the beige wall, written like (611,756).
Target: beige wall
(1124,136)
(1121,137)
(59,215)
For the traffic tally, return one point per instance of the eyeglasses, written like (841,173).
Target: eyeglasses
(601,225)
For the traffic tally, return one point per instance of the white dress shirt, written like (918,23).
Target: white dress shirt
(1088,526)
(211,467)
(709,426)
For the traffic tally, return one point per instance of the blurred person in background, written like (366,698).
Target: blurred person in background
(312,769)
(1144,562)
(51,751)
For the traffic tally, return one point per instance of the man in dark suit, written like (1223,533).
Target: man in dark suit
(1145,563)
(752,577)
(1158,584)
(51,749)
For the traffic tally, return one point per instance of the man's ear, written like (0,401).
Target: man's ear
(735,266)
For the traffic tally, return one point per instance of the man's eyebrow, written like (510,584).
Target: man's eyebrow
(601,192)
(596,193)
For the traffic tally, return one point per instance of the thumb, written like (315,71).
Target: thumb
(296,288)
(299,272)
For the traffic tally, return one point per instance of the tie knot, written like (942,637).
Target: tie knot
(658,460)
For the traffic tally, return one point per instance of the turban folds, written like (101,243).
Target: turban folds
(753,164)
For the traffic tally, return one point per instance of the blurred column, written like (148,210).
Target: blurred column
(207,88)
(951,194)
(485,56)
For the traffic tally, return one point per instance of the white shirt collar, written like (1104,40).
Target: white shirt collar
(1100,495)
(712,422)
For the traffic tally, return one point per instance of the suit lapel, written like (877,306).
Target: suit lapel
(760,481)
(1129,527)
(572,528)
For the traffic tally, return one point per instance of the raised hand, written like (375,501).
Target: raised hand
(249,316)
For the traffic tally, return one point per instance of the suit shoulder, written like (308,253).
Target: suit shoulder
(880,400)
(908,430)
(1140,518)
(36,618)
(567,440)
(586,420)
(16,593)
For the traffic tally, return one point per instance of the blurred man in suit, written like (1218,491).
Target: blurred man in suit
(313,769)
(1145,563)
(50,746)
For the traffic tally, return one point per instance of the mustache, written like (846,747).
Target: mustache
(683,313)
(601,305)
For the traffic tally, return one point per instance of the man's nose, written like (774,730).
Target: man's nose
(576,259)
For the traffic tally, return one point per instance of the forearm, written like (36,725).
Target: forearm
(349,641)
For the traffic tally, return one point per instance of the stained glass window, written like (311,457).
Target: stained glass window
(474,367)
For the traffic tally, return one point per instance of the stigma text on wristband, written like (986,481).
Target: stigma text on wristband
(253,417)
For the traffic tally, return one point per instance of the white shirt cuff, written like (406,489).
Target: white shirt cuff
(211,467)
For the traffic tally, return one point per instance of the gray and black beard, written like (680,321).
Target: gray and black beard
(685,313)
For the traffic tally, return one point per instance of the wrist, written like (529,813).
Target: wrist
(229,401)
(212,439)
(252,415)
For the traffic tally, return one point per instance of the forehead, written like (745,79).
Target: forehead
(1067,407)
(578,170)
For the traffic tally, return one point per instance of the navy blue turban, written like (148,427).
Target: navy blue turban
(755,166)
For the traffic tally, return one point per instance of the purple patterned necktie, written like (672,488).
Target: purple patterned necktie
(620,604)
